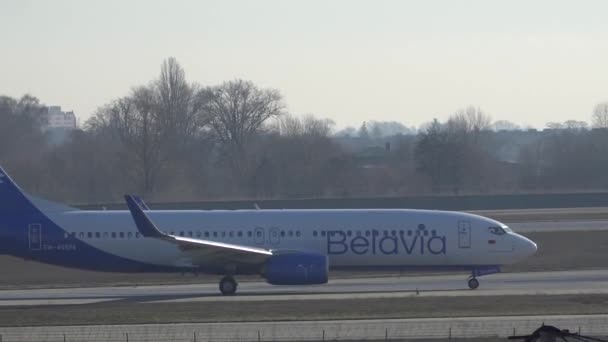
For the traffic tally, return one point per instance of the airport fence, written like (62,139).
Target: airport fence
(448,202)
(371,330)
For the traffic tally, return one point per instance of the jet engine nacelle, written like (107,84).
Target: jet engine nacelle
(297,268)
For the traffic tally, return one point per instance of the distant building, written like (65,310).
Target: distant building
(56,118)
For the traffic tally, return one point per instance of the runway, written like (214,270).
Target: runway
(556,226)
(549,283)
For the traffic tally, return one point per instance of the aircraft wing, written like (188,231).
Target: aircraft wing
(203,252)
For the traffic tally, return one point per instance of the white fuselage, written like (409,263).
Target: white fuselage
(351,238)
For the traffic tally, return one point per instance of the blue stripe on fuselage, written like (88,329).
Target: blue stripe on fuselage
(17,213)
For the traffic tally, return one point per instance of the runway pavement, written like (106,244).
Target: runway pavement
(555,226)
(550,283)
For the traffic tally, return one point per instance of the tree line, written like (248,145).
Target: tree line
(175,140)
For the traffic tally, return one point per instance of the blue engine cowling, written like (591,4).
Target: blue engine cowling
(297,268)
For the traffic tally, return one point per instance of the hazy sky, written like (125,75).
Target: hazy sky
(526,61)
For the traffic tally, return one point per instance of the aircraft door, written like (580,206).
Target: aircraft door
(258,234)
(35,236)
(274,236)
(464,234)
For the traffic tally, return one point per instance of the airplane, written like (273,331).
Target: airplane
(285,247)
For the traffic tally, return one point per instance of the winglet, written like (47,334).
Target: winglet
(141,202)
(145,226)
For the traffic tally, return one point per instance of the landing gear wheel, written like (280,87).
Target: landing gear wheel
(473,283)
(228,286)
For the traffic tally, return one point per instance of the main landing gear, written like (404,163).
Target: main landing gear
(228,286)
(473,283)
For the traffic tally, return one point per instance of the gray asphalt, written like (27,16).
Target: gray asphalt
(569,282)
(549,226)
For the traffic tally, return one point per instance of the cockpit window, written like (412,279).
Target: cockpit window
(496,230)
(507,229)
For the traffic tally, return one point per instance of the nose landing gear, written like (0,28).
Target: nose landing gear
(478,272)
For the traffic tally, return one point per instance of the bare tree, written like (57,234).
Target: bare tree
(505,125)
(432,154)
(178,104)
(576,125)
(470,120)
(599,118)
(237,110)
(363,131)
(307,125)
(555,125)
(135,121)
(22,140)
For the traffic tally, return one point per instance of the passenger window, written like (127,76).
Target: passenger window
(81,235)
(282,233)
(297,233)
(113,235)
(314,233)
(214,234)
(97,235)
(105,235)
(89,235)
(259,233)
(290,233)
(223,234)
(137,235)
(367,233)
(206,234)
(190,234)
(181,233)
(122,235)
(322,233)
(240,234)
(198,234)
(231,234)
(129,235)
(249,233)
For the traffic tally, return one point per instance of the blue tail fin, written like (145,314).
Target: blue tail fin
(13,202)
(19,218)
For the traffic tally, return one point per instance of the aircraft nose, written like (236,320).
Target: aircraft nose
(526,246)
